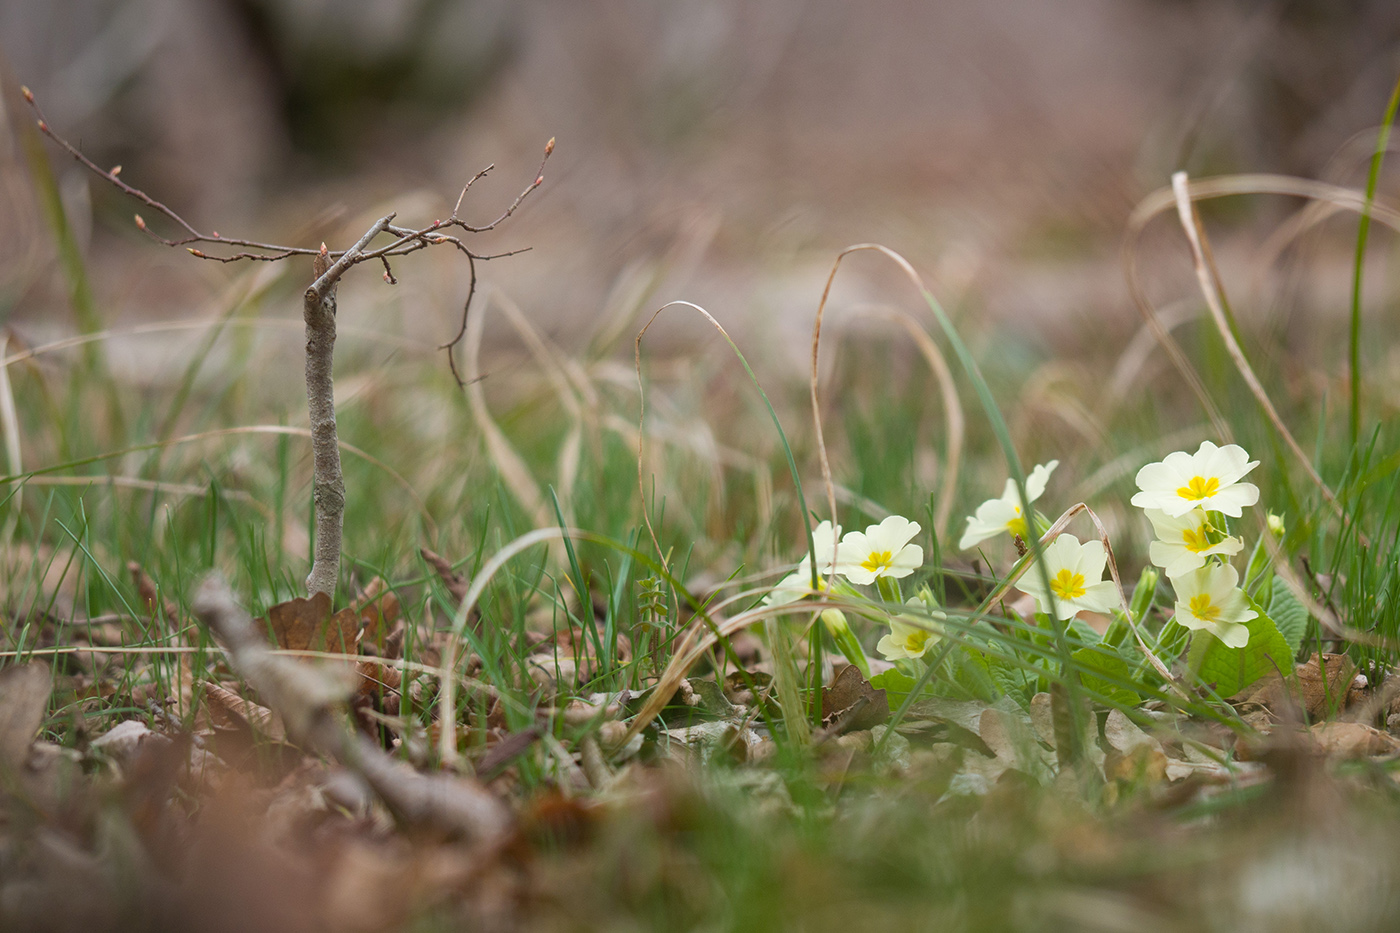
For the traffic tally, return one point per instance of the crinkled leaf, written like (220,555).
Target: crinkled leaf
(1289,615)
(972,672)
(1109,663)
(1230,670)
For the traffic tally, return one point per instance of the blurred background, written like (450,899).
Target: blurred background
(713,150)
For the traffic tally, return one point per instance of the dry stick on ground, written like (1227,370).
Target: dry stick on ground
(306,700)
(319,309)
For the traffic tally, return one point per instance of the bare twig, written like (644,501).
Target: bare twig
(319,307)
(454,805)
(407,239)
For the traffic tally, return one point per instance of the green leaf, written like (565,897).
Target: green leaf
(1082,632)
(972,672)
(1230,670)
(1289,615)
(896,684)
(1111,664)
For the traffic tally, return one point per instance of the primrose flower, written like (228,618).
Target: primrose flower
(1207,479)
(1182,544)
(798,584)
(1210,599)
(1004,515)
(881,550)
(1076,578)
(910,635)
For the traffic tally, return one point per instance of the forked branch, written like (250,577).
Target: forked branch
(319,310)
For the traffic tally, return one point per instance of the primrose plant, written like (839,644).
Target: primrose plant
(1188,499)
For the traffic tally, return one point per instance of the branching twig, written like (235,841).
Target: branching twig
(319,306)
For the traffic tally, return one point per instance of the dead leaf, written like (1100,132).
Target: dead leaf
(24,702)
(1352,740)
(378,608)
(739,686)
(307,625)
(456,583)
(224,701)
(125,739)
(848,690)
(1319,698)
(1133,755)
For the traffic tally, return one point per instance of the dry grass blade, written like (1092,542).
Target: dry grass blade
(514,473)
(952,410)
(252,429)
(1210,288)
(558,376)
(9,428)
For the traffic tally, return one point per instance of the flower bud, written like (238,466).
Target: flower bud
(1276,526)
(835,621)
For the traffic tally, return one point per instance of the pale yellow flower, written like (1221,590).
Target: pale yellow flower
(1210,599)
(798,584)
(881,550)
(1208,479)
(1182,544)
(1076,578)
(911,635)
(1003,516)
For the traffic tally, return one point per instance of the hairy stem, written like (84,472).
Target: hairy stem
(328,495)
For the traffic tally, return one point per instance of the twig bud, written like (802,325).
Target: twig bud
(114,171)
(28,94)
(140,222)
(549,146)
(539,180)
(195,252)
(43,126)
(214,234)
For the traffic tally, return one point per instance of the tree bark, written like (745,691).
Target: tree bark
(328,490)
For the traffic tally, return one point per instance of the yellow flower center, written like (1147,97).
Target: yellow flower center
(1202,608)
(915,641)
(1017,526)
(877,561)
(1199,488)
(1067,585)
(1195,539)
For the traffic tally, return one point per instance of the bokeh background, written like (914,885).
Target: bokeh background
(713,150)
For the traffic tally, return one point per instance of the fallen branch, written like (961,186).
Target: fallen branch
(307,699)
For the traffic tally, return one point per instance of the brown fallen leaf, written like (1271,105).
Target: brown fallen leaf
(307,625)
(840,701)
(456,583)
(378,608)
(1133,755)
(24,702)
(223,702)
(1352,740)
(1318,697)
(149,595)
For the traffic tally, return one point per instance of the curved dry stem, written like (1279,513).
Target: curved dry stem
(1165,198)
(952,411)
(1211,289)
(249,429)
(548,360)
(253,323)
(509,464)
(642,413)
